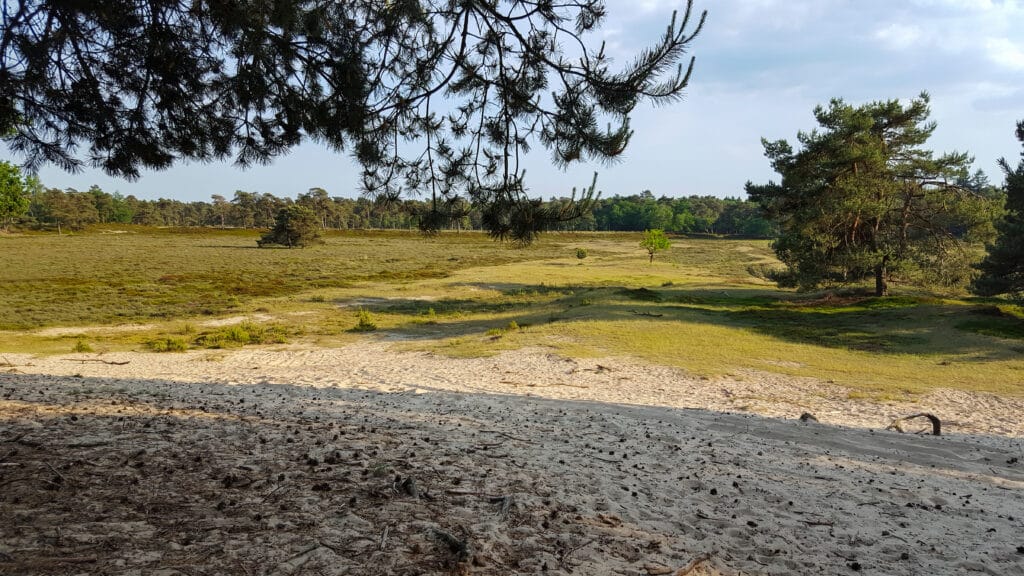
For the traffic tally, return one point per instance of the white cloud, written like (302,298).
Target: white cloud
(898,36)
(1005,52)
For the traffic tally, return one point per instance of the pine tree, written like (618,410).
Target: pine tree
(863,199)
(296,226)
(433,97)
(1002,270)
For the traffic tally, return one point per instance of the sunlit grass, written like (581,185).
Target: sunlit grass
(696,307)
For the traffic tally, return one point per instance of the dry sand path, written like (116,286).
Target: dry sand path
(364,460)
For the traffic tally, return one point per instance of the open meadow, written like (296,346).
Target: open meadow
(697,307)
(178,401)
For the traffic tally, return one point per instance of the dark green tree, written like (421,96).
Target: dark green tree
(14,199)
(434,97)
(296,226)
(1002,270)
(862,199)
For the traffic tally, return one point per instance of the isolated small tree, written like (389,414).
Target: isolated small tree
(296,226)
(1002,271)
(654,240)
(13,198)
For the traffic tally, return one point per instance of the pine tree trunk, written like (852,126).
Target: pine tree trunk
(881,286)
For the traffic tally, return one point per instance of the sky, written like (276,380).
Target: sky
(761,68)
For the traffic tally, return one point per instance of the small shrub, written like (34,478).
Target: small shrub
(430,316)
(168,344)
(82,346)
(495,332)
(188,329)
(513,326)
(237,335)
(581,253)
(364,322)
(318,298)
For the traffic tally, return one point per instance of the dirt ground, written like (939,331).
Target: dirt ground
(161,476)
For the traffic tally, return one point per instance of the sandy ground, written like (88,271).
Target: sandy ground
(365,460)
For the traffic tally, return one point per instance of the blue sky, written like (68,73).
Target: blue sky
(762,66)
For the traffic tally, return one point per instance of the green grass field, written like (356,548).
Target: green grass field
(696,307)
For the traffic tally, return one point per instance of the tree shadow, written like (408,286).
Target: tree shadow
(107,475)
(890,325)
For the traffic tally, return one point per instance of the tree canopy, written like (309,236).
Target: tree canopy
(435,97)
(864,199)
(654,241)
(1002,270)
(296,225)
(13,197)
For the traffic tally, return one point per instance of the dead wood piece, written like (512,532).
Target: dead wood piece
(297,561)
(657,569)
(133,456)
(55,471)
(408,486)
(66,560)
(88,444)
(808,417)
(651,314)
(509,436)
(693,564)
(100,360)
(458,547)
(20,439)
(384,538)
(936,423)
(506,503)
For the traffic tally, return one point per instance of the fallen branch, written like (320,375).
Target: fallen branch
(651,314)
(101,360)
(459,548)
(506,503)
(509,436)
(693,564)
(936,424)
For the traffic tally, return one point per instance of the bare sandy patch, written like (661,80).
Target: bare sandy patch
(367,460)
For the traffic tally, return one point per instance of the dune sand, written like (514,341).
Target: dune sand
(366,460)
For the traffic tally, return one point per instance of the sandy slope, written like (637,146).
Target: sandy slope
(364,460)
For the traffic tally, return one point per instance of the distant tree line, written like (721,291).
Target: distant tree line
(73,209)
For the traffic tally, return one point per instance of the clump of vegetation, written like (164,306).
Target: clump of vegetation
(654,241)
(82,346)
(430,316)
(240,335)
(296,225)
(581,253)
(168,344)
(364,321)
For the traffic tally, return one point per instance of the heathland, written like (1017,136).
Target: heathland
(701,306)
